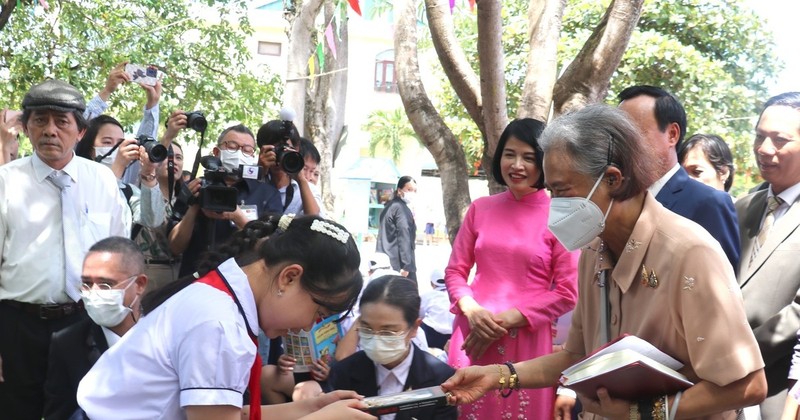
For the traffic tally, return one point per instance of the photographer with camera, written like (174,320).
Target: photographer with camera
(104,142)
(193,234)
(279,143)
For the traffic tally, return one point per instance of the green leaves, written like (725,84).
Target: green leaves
(200,46)
(390,129)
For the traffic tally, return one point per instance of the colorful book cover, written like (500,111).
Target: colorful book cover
(309,346)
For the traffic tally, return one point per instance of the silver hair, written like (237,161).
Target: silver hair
(598,136)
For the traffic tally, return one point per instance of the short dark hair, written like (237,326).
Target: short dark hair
(239,128)
(528,131)
(715,150)
(276,131)
(85,147)
(397,291)
(790,99)
(668,108)
(307,149)
(132,257)
(405,179)
(80,120)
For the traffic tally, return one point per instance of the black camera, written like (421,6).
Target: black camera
(290,160)
(196,120)
(215,195)
(156,151)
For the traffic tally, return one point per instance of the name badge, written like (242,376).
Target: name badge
(250,211)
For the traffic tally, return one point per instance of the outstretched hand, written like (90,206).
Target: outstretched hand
(470,383)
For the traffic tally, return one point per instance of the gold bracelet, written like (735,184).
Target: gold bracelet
(633,411)
(660,408)
(502,380)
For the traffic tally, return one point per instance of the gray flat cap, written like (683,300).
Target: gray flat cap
(56,95)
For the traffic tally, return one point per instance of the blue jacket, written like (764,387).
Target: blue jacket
(708,207)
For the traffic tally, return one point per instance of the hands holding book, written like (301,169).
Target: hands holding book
(470,383)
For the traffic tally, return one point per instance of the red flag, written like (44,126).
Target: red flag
(357,8)
(471,5)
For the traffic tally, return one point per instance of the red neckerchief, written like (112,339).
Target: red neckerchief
(215,280)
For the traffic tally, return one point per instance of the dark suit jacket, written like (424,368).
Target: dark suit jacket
(710,208)
(357,373)
(771,285)
(398,235)
(73,351)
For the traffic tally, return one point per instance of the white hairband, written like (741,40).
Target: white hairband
(285,221)
(333,231)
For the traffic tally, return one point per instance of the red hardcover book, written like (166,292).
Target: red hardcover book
(630,368)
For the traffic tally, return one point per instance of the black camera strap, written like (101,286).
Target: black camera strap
(170,174)
(289,195)
(100,158)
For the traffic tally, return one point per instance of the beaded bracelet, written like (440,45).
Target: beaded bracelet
(660,408)
(514,379)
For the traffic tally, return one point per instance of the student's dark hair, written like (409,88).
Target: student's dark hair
(330,267)
(85,147)
(790,99)
(405,179)
(275,131)
(668,109)
(397,291)
(715,150)
(80,120)
(307,149)
(238,128)
(526,130)
(132,257)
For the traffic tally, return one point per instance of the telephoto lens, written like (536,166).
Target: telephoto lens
(196,120)
(156,151)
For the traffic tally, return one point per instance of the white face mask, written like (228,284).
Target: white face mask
(409,197)
(383,349)
(231,159)
(106,307)
(576,221)
(102,150)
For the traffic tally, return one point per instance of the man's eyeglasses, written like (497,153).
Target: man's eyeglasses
(87,285)
(234,147)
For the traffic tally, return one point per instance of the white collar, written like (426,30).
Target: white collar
(238,281)
(43,170)
(788,195)
(659,184)
(111,337)
(400,371)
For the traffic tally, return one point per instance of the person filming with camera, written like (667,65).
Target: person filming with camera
(279,143)
(201,227)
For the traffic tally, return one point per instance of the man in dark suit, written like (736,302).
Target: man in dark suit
(113,283)
(662,120)
(357,373)
(769,273)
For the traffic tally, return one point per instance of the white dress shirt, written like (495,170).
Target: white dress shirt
(789,196)
(392,381)
(296,205)
(193,349)
(435,311)
(31,229)
(659,184)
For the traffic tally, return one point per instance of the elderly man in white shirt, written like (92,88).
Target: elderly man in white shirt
(53,207)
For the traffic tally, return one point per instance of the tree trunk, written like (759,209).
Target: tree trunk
(427,122)
(493,85)
(587,78)
(325,105)
(301,46)
(5,12)
(454,62)
(545,18)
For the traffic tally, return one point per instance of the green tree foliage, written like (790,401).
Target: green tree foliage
(389,129)
(201,46)
(715,55)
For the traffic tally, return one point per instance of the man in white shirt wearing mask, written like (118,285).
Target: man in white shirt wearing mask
(113,282)
(235,146)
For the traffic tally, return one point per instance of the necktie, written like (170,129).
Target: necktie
(73,250)
(769,219)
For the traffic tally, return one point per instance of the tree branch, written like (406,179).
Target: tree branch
(587,78)
(545,18)
(454,62)
(427,123)
(6,11)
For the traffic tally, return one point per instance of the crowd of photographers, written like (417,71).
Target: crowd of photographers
(172,218)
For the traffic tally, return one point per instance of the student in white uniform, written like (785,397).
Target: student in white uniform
(191,355)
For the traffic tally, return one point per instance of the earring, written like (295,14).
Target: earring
(280,293)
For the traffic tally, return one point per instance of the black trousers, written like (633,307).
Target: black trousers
(24,347)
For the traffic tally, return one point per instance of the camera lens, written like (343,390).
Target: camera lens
(196,121)
(156,151)
(292,162)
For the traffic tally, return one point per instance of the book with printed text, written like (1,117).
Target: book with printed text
(309,346)
(408,400)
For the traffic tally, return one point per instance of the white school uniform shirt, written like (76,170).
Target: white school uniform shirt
(435,311)
(32,256)
(392,381)
(193,349)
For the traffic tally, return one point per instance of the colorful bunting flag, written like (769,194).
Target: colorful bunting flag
(321,57)
(329,38)
(311,70)
(357,8)
(471,5)
(452,5)
(44,4)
